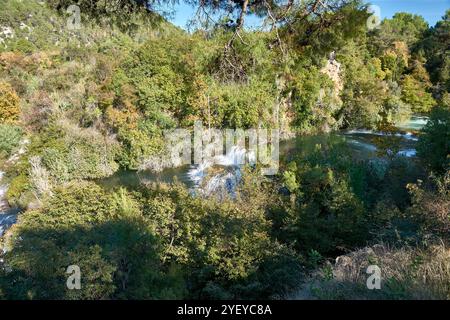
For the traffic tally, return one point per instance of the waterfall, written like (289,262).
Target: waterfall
(221,174)
(406,150)
(407,153)
(363,145)
(415,123)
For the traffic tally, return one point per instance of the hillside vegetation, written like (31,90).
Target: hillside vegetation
(96,100)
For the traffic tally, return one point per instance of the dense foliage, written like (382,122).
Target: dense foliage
(97,100)
(434,145)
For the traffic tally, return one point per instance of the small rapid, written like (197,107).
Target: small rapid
(8,216)
(406,137)
(221,174)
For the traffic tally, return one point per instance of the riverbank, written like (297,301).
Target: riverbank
(365,144)
(8,216)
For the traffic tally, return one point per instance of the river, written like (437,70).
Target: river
(364,144)
(8,216)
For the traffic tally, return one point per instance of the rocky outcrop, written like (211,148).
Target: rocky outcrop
(5,33)
(333,70)
(283,115)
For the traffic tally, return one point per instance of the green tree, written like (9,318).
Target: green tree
(434,143)
(326,214)
(414,93)
(435,45)
(364,93)
(406,27)
(81,225)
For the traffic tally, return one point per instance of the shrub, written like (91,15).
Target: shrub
(9,138)
(19,194)
(431,205)
(9,104)
(323,212)
(117,254)
(434,143)
(136,147)
(407,273)
(209,234)
(72,152)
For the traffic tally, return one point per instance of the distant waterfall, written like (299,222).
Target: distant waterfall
(221,174)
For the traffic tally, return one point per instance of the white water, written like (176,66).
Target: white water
(407,135)
(409,153)
(415,123)
(7,216)
(3,189)
(220,174)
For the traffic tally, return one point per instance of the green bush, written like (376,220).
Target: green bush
(434,143)
(116,253)
(19,193)
(9,139)
(70,152)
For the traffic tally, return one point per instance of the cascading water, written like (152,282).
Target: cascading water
(407,135)
(221,174)
(7,215)
(416,123)
(3,189)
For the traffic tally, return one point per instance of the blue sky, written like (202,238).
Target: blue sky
(431,10)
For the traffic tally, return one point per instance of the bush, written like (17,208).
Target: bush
(81,225)
(406,273)
(9,139)
(434,143)
(152,78)
(323,213)
(19,193)
(9,104)
(70,152)
(209,234)
(431,205)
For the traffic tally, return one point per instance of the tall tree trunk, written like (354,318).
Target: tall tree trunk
(241,19)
